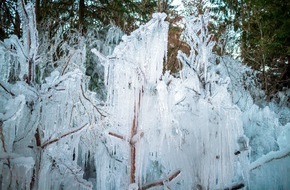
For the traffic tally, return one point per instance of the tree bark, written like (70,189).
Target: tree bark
(81,15)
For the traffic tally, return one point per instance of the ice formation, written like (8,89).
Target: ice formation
(47,130)
(160,126)
(201,130)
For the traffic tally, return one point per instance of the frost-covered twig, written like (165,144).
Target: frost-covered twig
(62,136)
(270,157)
(161,181)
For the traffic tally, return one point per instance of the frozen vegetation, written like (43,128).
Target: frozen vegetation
(208,127)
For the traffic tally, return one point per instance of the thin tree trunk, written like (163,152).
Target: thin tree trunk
(81,15)
(37,11)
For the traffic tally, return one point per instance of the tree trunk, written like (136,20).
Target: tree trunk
(37,11)
(81,15)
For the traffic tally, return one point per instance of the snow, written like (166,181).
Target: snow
(207,128)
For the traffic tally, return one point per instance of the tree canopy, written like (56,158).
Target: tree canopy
(264,37)
(259,28)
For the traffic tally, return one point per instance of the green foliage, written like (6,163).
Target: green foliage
(9,19)
(265,37)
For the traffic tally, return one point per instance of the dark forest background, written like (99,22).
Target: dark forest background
(255,31)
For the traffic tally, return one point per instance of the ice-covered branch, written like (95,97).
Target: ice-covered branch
(161,181)
(271,156)
(83,93)
(6,90)
(44,145)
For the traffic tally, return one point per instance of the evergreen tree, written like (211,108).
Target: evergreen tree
(265,37)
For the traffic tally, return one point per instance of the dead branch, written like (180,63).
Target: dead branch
(62,136)
(161,181)
(117,135)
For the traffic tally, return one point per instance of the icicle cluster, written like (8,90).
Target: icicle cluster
(47,131)
(161,131)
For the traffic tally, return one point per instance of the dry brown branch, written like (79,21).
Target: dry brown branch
(117,135)
(62,136)
(161,181)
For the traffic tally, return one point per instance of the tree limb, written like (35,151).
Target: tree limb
(117,135)
(161,181)
(270,157)
(62,136)
(6,90)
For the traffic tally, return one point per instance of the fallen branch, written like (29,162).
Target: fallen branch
(270,157)
(62,136)
(161,181)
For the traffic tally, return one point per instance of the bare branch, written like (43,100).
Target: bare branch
(117,135)
(6,90)
(62,136)
(161,181)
